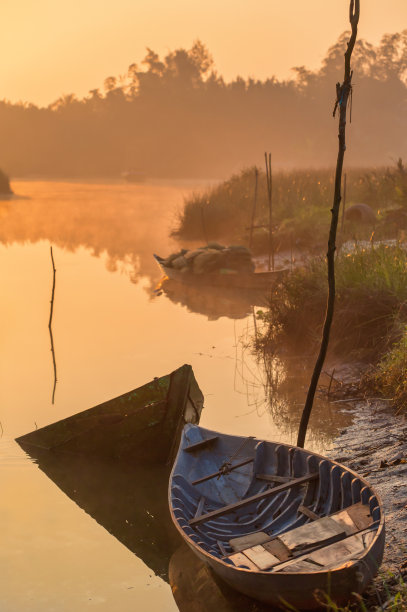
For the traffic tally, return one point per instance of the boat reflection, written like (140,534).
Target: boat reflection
(213,302)
(195,587)
(129,501)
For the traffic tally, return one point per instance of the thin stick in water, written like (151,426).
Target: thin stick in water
(256,178)
(270,202)
(50,325)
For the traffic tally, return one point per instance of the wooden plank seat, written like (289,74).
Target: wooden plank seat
(323,543)
(273,478)
(204,443)
(253,498)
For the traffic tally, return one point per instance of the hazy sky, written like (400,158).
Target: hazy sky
(54,47)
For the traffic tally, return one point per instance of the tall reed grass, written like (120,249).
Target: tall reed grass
(301,206)
(371,288)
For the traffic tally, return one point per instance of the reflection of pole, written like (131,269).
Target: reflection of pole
(269,196)
(50,328)
(256,177)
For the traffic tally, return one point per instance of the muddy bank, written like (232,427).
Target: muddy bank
(375,445)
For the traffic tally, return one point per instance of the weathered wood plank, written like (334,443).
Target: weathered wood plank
(324,530)
(253,498)
(273,478)
(200,506)
(261,557)
(330,554)
(221,473)
(360,511)
(247,541)
(278,549)
(360,515)
(201,444)
(312,515)
(306,555)
(241,559)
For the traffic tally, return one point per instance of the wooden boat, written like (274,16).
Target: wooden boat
(274,521)
(144,424)
(224,277)
(132,176)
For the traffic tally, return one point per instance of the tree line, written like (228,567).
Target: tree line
(177,117)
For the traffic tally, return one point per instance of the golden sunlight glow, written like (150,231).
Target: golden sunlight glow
(54,48)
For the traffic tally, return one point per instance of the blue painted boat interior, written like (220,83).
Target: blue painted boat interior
(335,489)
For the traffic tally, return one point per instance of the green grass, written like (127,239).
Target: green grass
(371,288)
(390,376)
(301,207)
(388,593)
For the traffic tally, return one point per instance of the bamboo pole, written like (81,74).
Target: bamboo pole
(270,202)
(256,179)
(342,95)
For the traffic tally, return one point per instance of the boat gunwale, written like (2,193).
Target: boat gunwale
(346,565)
(177,275)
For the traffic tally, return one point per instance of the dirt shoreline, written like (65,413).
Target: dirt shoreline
(375,446)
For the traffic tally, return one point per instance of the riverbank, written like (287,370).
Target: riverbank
(370,316)
(236,211)
(375,445)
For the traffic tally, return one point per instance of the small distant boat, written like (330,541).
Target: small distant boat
(223,277)
(142,425)
(132,176)
(274,521)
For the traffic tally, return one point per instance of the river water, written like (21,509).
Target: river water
(112,333)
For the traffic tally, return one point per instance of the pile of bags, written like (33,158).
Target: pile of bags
(212,258)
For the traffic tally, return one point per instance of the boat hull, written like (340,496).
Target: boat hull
(334,489)
(230,278)
(142,425)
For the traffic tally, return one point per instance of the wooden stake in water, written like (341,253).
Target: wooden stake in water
(343,93)
(256,179)
(270,202)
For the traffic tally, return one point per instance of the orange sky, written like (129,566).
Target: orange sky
(54,47)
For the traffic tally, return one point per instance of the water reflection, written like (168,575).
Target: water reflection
(286,385)
(196,588)
(54,363)
(129,501)
(213,302)
(278,386)
(127,222)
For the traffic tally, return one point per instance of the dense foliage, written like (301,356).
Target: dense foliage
(176,117)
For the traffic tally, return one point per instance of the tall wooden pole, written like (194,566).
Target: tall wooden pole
(270,202)
(256,180)
(342,96)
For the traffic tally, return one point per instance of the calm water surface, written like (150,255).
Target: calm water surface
(112,333)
